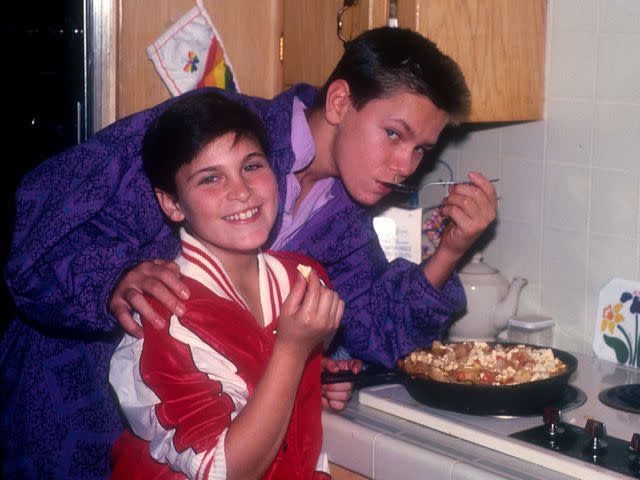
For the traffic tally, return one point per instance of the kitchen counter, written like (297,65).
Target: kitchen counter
(380,445)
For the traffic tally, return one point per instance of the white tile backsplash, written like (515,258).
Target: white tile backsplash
(569,131)
(518,243)
(616,141)
(619,16)
(609,257)
(524,141)
(574,15)
(521,190)
(481,141)
(563,290)
(618,53)
(569,216)
(615,202)
(572,64)
(566,197)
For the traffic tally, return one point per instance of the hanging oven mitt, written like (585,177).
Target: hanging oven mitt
(190,54)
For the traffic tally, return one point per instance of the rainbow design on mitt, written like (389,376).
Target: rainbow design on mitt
(217,73)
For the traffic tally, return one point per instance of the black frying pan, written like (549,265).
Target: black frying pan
(521,399)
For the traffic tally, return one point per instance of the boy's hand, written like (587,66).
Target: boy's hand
(308,315)
(336,396)
(471,208)
(158,278)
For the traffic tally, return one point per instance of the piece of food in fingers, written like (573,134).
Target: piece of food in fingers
(304,270)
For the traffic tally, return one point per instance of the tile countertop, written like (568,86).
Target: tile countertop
(382,446)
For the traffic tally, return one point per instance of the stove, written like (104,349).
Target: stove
(583,438)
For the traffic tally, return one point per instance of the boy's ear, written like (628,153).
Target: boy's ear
(169,205)
(338,101)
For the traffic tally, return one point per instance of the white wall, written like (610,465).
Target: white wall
(569,214)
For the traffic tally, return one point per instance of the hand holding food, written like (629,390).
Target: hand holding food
(471,208)
(310,313)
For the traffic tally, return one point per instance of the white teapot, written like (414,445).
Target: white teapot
(491,301)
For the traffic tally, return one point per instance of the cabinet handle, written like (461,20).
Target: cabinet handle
(346,4)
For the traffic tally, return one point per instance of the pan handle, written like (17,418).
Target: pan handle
(366,378)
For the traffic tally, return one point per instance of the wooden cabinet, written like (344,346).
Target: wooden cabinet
(311,45)
(499,44)
(340,473)
(250,31)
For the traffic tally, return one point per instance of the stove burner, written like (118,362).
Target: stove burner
(572,398)
(622,397)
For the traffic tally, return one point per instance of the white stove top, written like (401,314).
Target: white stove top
(592,377)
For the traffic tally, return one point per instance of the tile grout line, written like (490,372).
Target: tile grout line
(373,456)
(549,40)
(594,107)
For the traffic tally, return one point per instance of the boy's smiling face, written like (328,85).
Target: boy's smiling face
(227,196)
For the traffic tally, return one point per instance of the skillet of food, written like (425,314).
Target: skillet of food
(478,377)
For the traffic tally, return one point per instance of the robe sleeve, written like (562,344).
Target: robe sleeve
(82,218)
(391,308)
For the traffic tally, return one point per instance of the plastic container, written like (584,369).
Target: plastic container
(531,329)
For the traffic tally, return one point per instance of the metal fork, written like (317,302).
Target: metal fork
(408,189)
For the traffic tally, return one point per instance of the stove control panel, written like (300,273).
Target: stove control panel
(590,444)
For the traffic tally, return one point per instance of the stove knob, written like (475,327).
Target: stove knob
(597,432)
(552,417)
(634,448)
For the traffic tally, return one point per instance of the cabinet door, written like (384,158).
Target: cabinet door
(250,31)
(311,45)
(499,44)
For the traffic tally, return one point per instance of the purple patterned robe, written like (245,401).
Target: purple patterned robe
(89,213)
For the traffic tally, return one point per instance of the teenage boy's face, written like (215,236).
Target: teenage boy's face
(384,142)
(228,196)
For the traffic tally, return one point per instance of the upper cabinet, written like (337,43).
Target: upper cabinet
(499,44)
(311,47)
(273,44)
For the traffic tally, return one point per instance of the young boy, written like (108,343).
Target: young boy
(195,391)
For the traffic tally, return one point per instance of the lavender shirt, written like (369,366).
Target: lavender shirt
(304,151)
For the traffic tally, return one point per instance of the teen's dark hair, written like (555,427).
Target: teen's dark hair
(383,61)
(191,123)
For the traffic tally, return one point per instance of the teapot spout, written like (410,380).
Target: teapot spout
(509,304)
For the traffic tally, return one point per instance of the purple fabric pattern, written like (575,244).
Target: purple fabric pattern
(88,214)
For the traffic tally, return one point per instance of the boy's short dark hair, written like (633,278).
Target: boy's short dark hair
(384,61)
(191,123)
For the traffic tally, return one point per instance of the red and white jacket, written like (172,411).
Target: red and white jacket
(181,387)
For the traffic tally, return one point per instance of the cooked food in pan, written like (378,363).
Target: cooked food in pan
(483,363)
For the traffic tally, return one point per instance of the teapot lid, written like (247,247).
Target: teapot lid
(477,266)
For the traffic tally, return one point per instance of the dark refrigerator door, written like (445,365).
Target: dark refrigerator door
(44,80)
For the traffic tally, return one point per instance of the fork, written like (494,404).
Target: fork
(408,189)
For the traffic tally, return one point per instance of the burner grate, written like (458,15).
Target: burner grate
(622,397)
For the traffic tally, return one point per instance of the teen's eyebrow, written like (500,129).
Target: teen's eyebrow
(407,128)
(412,133)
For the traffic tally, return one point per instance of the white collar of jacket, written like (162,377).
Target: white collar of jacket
(197,262)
